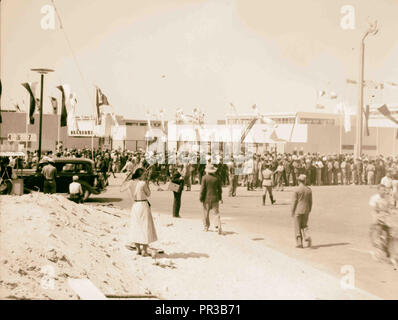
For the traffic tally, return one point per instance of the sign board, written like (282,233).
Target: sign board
(31,137)
(78,127)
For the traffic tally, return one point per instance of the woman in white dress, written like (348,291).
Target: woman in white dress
(142,228)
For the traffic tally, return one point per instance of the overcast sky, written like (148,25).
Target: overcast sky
(149,54)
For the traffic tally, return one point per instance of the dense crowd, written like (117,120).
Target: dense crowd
(320,169)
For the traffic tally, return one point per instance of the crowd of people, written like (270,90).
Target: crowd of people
(245,170)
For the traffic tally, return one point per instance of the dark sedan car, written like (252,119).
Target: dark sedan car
(66,169)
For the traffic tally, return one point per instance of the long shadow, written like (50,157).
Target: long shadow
(228,233)
(248,196)
(224,233)
(278,203)
(103,200)
(183,255)
(330,245)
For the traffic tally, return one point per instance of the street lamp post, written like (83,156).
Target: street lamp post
(358,146)
(42,72)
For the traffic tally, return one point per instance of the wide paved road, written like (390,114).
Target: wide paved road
(339,225)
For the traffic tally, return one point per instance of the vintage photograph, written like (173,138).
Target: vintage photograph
(198,150)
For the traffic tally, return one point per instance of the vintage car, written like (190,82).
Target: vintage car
(66,169)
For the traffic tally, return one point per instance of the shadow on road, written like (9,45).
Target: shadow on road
(103,200)
(228,233)
(330,245)
(182,255)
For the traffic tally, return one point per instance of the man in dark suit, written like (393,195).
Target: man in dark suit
(177,178)
(210,196)
(301,208)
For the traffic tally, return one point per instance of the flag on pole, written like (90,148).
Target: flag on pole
(115,119)
(255,110)
(148,119)
(233,108)
(72,121)
(31,88)
(54,103)
(101,99)
(64,114)
(347,119)
(387,113)
(161,114)
(26,112)
(73,101)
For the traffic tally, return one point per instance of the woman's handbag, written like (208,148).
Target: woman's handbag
(173,187)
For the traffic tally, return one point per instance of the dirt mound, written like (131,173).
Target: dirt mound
(46,239)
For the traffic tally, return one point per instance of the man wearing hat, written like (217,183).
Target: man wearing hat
(267,177)
(49,172)
(210,196)
(301,208)
(75,190)
(233,178)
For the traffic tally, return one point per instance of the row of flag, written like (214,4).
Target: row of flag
(67,98)
(369,84)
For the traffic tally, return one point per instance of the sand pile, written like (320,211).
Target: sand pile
(46,239)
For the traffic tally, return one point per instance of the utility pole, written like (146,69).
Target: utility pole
(42,72)
(358,145)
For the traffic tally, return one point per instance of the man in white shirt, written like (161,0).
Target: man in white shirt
(248,167)
(387,180)
(382,210)
(267,177)
(76,191)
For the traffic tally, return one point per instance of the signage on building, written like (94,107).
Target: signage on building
(80,133)
(22,137)
(81,127)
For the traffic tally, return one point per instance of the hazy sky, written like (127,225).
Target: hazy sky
(149,54)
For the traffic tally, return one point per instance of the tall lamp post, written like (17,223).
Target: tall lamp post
(372,30)
(42,72)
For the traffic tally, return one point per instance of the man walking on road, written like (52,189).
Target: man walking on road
(233,178)
(210,196)
(301,208)
(267,177)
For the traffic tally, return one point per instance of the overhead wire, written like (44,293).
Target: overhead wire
(74,57)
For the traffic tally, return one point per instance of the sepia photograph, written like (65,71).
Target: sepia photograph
(198,150)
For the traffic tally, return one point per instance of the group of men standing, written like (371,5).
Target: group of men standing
(318,169)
